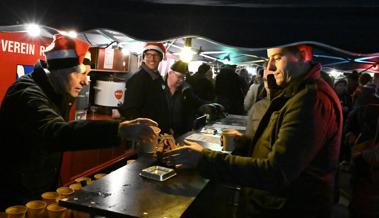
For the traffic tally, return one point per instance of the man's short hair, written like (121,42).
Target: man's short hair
(304,48)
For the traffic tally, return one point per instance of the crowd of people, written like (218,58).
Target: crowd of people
(301,127)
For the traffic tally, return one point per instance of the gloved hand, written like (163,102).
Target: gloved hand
(141,129)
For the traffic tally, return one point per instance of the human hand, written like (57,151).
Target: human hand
(141,129)
(187,156)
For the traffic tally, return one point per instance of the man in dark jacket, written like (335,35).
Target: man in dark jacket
(292,163)
(149,95)
(145,90)
(34,126)
(182,101)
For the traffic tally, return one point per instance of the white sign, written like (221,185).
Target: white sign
(108,58)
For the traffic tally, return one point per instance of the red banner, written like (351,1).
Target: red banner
(18,53)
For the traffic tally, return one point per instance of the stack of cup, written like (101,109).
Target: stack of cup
(36,209)
(99,176)
(64,192)
(76,186)
(17,211)
(56,211)
(50,197)
(84,181)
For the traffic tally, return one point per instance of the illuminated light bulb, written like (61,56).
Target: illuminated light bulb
(186,54)
(125,51)
(72,34)
(33,30)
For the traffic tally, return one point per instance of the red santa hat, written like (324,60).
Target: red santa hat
(66,52)
(156,46)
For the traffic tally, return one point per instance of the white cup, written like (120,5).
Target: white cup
(227,139)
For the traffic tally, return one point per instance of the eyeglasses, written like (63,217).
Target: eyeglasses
(152,55)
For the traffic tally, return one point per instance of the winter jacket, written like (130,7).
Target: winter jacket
(146,96)
(291,167)
(34,131)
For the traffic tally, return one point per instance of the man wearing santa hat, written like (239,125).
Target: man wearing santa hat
(34,126)
(145,90)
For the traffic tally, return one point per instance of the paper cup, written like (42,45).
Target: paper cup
(17,211)
(76,186)
(84,181)
(50,197)
(64,192)
(56,211)
(227,139)
(99,175)
(36,209)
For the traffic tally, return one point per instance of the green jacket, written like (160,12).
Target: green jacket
(294,154)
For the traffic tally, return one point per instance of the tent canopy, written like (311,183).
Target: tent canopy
(341,29)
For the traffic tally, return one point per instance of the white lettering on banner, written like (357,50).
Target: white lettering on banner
(17,47)
(42,50)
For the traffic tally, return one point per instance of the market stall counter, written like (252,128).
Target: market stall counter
(124,193)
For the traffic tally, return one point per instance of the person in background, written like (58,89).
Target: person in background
(34,126)
(244,74)
(364,79)
(352,81)
(256,112)
(201,82)
(341,88)
(292,165)
(363,134)
(230,90)
(145,90)
(255,89)
(182,102)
